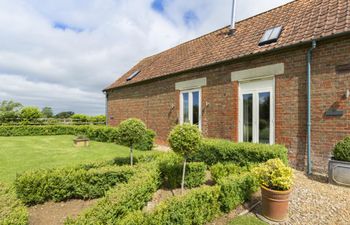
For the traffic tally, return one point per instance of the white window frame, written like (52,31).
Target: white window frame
(255,87)
(190,102)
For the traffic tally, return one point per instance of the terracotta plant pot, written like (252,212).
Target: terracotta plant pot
(275,204)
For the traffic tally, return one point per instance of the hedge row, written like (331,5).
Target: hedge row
(12,211)
(213,151)
(198,206)
(123,199)
(171,166)
(42,185)
(96,133)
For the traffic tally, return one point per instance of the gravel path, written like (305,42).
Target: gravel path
(313,202)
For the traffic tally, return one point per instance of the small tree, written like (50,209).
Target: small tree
(47,112)
(29,114)
(131,132)
(185,140)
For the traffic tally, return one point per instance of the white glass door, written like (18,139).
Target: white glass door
(256,112)
(190,107)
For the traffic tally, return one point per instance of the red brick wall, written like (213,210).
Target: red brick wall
(157,103)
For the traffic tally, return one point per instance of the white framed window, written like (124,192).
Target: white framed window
(190,107)
(257,111)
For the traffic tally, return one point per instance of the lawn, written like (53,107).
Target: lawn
(18,154)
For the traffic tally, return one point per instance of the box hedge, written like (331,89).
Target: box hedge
(198,206)
(95,133)
(171,166)
(235,190)
(123,199)
(42,185)
(12,211)
(213,151)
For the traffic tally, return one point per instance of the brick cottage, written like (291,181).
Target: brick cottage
(250,84)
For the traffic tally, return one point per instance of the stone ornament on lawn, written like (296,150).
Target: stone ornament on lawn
(81,141)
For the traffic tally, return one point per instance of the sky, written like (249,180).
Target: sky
(62,54)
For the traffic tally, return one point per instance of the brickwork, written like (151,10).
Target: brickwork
(157,103)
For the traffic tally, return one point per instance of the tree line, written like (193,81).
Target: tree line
(15,112)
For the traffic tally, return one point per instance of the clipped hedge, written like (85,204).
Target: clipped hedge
(199,206)
(12,211)
(123,199)
(235,190)
(213,151)
(95,133)
(171,166)
(42,185)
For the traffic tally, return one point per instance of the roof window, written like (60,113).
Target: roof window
(271,36)
(133,75)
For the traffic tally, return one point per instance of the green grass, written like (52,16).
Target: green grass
(247,220)
(18,154)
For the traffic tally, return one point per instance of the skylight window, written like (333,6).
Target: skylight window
(133,75)
(270,36)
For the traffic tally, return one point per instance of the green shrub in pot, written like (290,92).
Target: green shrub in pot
(341,150)
(275,175)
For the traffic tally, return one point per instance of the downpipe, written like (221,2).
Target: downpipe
(309,62)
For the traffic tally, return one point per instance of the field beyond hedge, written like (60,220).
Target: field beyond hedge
(19,154)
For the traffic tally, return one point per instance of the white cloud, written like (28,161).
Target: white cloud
(36,58)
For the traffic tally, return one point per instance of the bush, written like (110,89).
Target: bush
(275,175)
(29,114)
(235,190)
(199,206)
(220,170)
(131,132)
(95,133)
(170,166)
(341,150)
(123,199)
(213,151)
(185,139)
(68,183)
(12,211)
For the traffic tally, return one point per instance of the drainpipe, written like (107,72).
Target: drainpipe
(309,61)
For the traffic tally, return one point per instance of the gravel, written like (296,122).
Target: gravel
(314,202)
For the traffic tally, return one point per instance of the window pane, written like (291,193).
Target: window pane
(264,117)
(248,117)
(186,118)
(195,100)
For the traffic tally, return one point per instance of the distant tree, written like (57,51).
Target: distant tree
(30,114)
(47,112)
(64,115)
(9,111)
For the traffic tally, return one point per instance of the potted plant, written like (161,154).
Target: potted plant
(276,180)
(81,141)
(339,164)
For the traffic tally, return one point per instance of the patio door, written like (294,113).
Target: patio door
(256,111)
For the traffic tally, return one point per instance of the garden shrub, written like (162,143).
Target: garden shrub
(170,166)
(124,198)
(235,190)
(12,211)
(199,206)
(42,185)
(220,170)
(275,175)
(341,150)
(213,151)
(95,133)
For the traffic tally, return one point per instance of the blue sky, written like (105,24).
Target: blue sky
(63,53)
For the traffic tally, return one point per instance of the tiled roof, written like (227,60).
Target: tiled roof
(302,21)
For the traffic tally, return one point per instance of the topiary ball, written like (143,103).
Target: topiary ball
(185,139)
(131,131)
(341,150)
